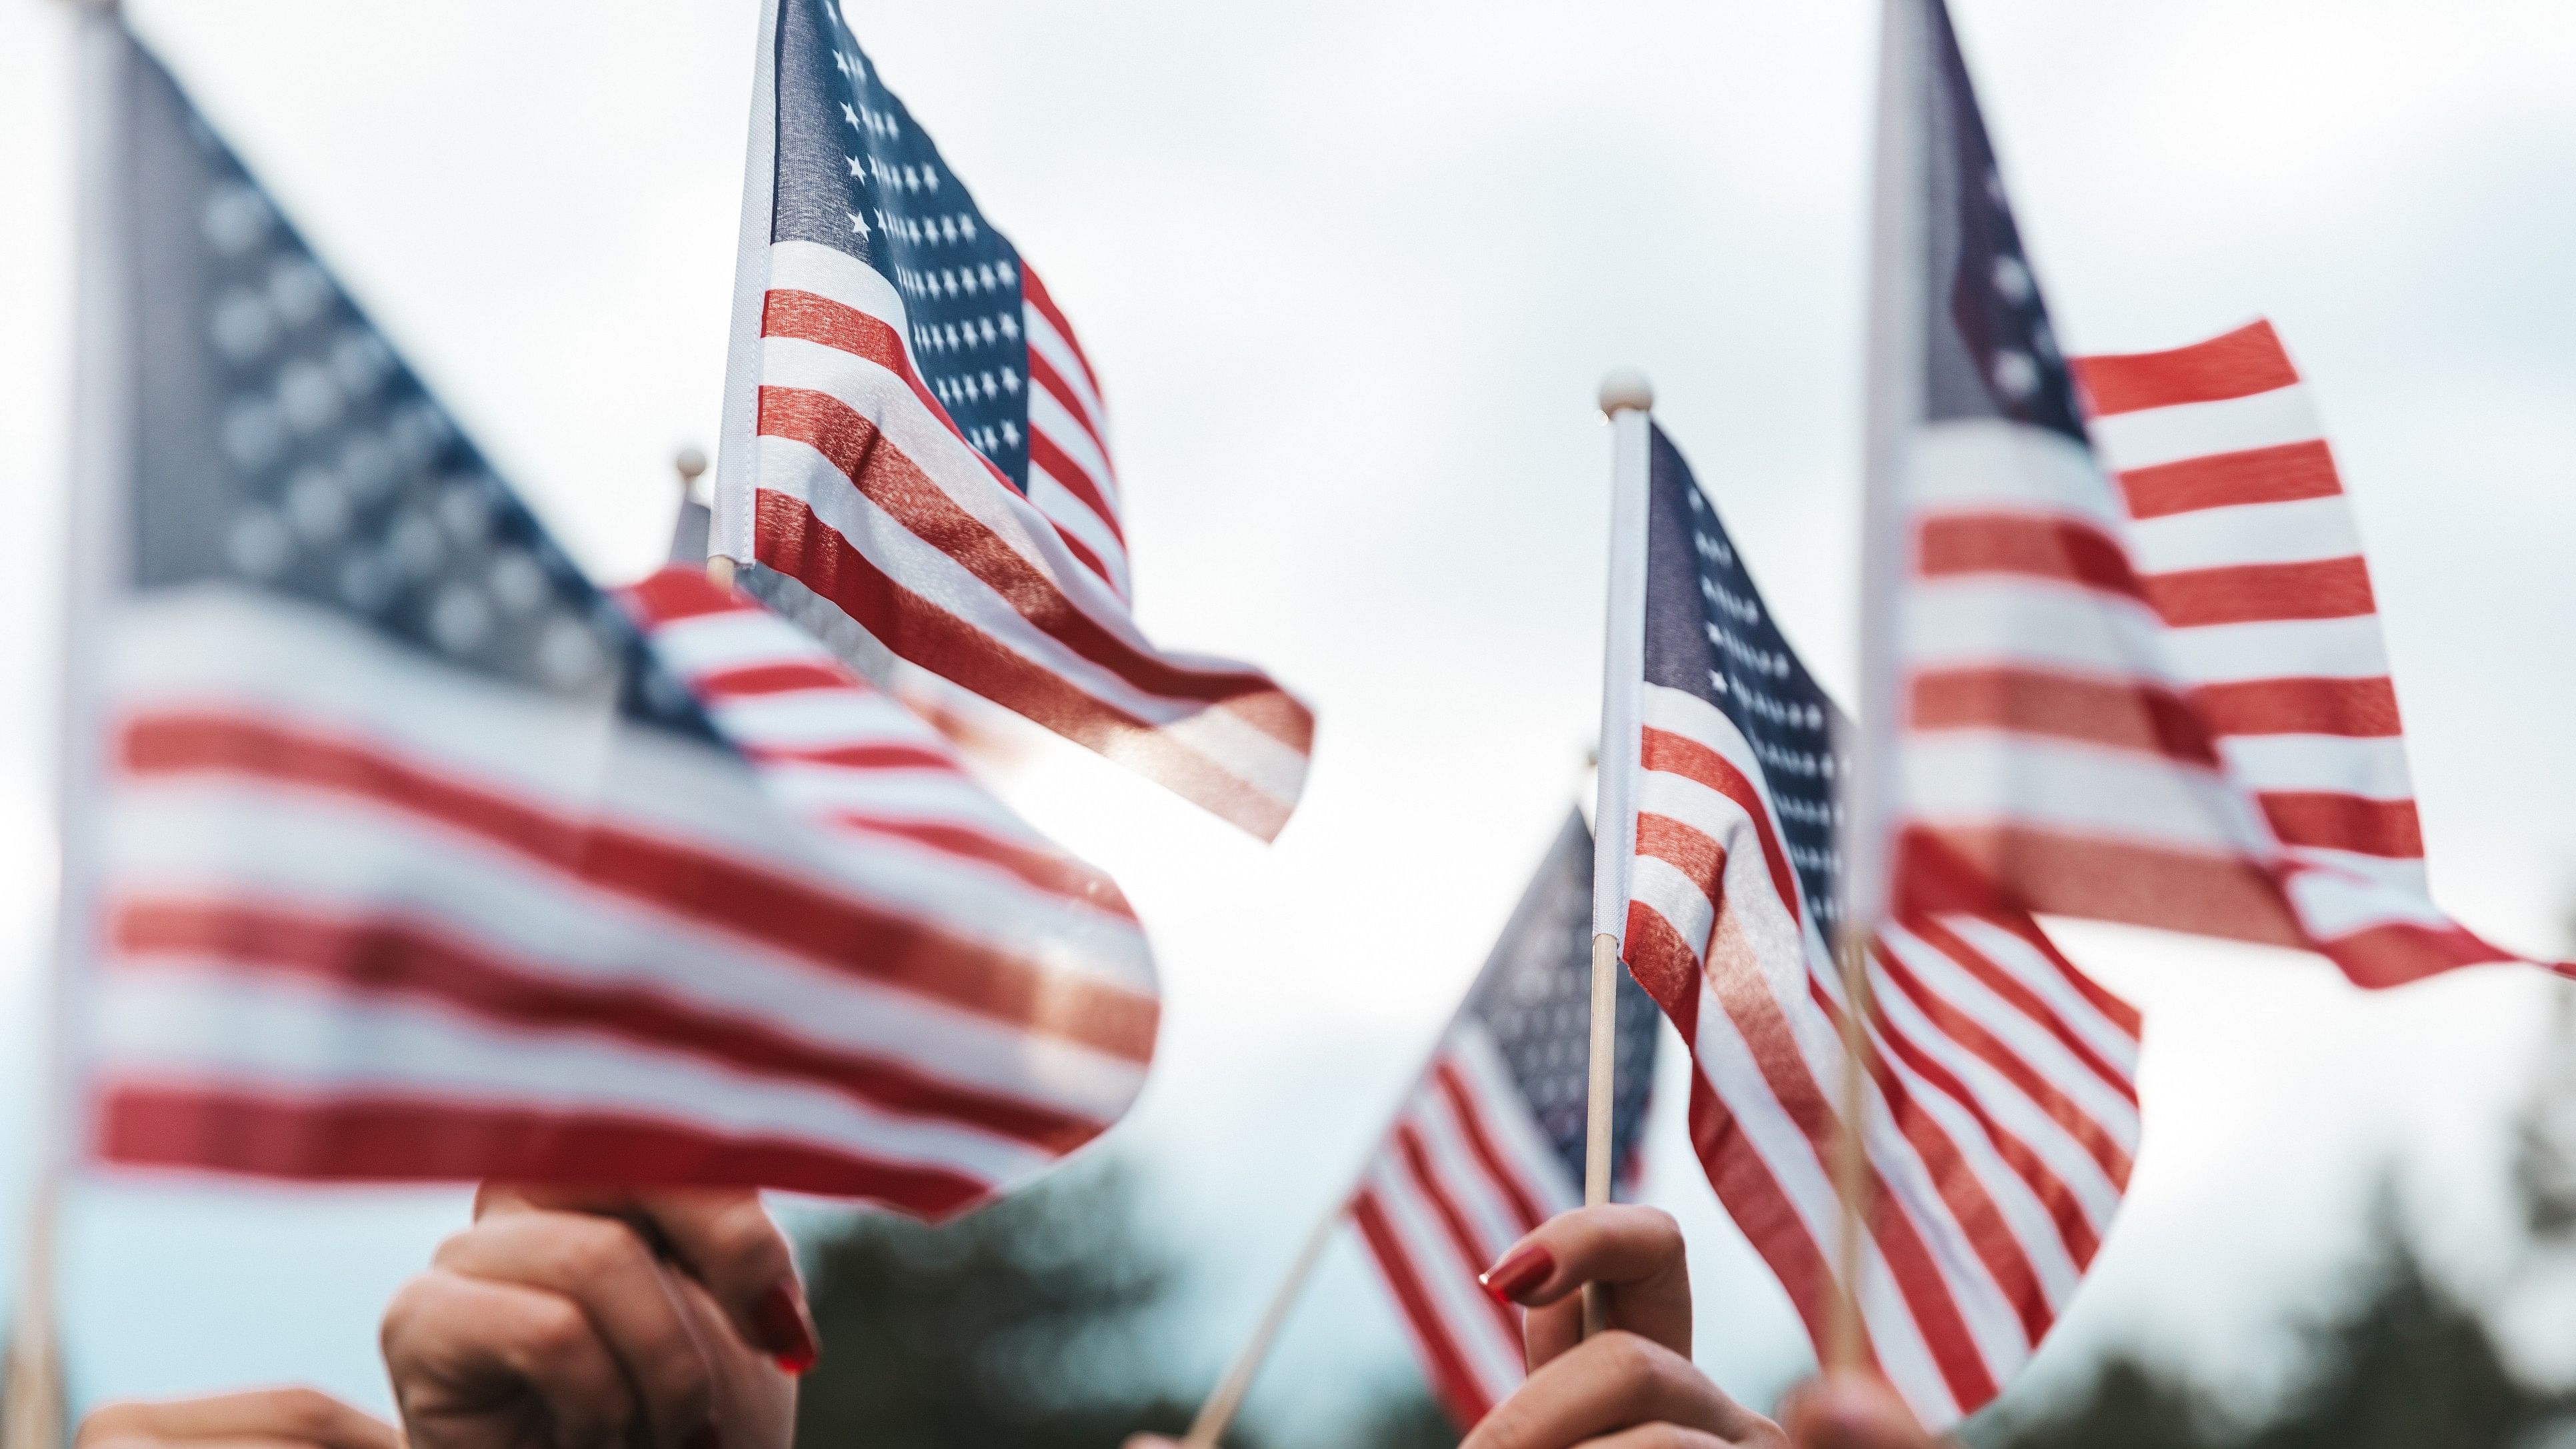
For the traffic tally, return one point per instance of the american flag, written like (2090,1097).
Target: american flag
(2163,700)
(917,457)
(1490,1142)
(419,857)
(2000,1108)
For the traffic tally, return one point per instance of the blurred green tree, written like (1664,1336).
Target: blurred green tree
(1031,1324)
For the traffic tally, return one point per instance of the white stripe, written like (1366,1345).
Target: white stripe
(829,715)
(2280,649)
(1260,761)
(2400,873)
(1790,1159)
(1058,351)
(1987,465)
(2373,767)
(1989,777)
(1472,1191)
(2012,1110)
(2154,436)
(245,843)
(2046,980)
(1988,619)
(2331,904)
(2026,1040)
(2301,530)
(188,1029)
(705,644)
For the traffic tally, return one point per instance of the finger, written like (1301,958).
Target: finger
(1851,1411)
(724,1237)
(601,1264)
(296,1415)
(450,1341)
(1635,1252)
(1609,1383)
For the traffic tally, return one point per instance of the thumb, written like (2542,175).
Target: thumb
(1851,1411)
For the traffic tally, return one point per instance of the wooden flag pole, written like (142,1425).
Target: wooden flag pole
(1628,400)
(1217,1414)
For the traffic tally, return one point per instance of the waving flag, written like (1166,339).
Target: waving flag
(1999,1107)
(2165,702)
(417,856)
(1490,1143)
(916,454)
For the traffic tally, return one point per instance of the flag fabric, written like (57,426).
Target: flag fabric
(916,454)
(420,857)
(2000,1110)
(2165,701)
(1490,1142)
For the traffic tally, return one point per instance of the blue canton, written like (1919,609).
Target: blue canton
(857,174)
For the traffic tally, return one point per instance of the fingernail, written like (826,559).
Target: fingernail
(1518,1273)
(703,1437)
(779,1318)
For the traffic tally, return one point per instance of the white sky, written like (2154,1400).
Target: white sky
(1349,271)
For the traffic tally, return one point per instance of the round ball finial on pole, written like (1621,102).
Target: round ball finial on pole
(1625,389)
(690,462)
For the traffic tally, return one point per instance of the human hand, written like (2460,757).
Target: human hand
(256,1419)
(580,1319)
(1632,1386)
(1852,1411)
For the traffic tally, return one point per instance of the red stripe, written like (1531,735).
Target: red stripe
(2353,708)
(2280,474)
(1471,1125)
(2017,867)
(794,542)
(1939,876)
(1443,1363)
(783,677)
(2327,821)
(2011,990)
(721,892)
(1675,754)
(2118,713)
(1972,1037)
(2238,364)
(1046,453)
(2397,953)
(856,448)
(2329,588)
(1700,860)
(677,591)
(872,757)
(1953,545)
(1473,1257)
(1988,1235)
(386,1138)
(1042,373)
(387,957)
(1035,293)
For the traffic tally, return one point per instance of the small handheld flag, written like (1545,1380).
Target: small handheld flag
(418,856)
(916,454)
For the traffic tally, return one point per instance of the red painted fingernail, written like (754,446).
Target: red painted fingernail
(779,1317)
(1518,1273)
(703,1437)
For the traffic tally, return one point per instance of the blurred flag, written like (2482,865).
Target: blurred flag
(2000,1107)
(2163,702)
(1490,1143)
(916,452)
(416,856)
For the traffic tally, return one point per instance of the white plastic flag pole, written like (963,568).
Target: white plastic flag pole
(1893,410)
(1628,400)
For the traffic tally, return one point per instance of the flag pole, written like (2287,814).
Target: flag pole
(38,1412)
(1628,401)
(1892,405)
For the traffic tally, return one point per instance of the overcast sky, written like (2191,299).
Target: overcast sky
(1349,272)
